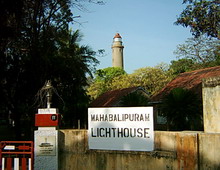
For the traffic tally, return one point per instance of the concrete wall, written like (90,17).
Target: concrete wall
(211,104)
(173,150)
(209,151)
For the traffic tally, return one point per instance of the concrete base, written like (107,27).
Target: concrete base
(46,149)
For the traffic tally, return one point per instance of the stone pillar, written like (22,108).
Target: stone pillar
(46,139)
(211,104)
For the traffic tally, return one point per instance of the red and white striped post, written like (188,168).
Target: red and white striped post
(16,155)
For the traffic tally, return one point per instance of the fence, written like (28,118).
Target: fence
(16,155)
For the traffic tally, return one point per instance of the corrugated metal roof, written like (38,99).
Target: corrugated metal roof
(112,98)
(188,80)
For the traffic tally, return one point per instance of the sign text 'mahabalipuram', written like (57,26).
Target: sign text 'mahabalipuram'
(120,117)
(125,128)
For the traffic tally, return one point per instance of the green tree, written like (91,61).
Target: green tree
(10,20)
(182,109)
(152,79)
(75,62)
(134,99)
(107,74)
(182,65)
(122,81)
(43,49)
(103,80)
(199,50)
(202,16)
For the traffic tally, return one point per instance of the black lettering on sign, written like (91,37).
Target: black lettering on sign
(120,132)
(126,132)
(139,133)
(92,117)
(101,132)
(107,132)
(92,133)
(146,133)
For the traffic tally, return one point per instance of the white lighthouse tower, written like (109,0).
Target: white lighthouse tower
(117,51)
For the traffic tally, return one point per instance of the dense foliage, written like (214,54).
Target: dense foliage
(200,50)
(37,45)
(182,65)
(151,79)
(196,53)
(103,80)
(202,16)
(183,110)
(134,99)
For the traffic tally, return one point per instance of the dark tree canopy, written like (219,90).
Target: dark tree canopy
(183,110)
(182,65)
(202,16)
(134,99)
(37,45)
(200,49)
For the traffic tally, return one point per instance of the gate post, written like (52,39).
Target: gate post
(46,139)
(211,102)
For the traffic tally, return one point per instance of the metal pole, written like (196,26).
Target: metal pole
(49,94)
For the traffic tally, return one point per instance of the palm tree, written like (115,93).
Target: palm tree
(182,109)
(134,99)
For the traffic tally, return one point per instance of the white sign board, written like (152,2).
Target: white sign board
(127,128)
(46,145)
(9,147)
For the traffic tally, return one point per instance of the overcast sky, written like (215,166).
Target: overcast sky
(146,26)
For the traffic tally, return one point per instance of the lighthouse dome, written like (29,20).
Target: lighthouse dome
(117,35)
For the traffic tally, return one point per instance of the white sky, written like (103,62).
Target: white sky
(146,26)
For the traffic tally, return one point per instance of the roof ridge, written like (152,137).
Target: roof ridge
(123,88)
(112,97)
(202,69)
(190,80)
